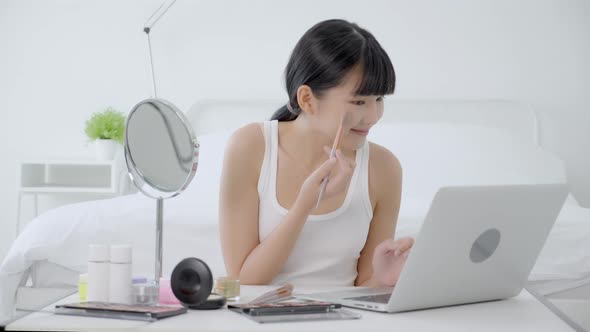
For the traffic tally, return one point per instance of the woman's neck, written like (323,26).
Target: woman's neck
(305,145)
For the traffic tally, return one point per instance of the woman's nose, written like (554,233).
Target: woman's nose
(373,114)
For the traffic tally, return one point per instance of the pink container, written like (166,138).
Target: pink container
(166,294)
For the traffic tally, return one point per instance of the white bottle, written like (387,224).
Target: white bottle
(121,275)
(98,273)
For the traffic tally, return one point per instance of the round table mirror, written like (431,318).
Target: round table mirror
(161,149)
(161,152)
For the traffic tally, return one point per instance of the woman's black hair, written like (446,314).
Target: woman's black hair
(325,54)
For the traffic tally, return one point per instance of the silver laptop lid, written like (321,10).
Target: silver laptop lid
(477,244)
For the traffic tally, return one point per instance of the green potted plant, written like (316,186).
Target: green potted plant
(106,129)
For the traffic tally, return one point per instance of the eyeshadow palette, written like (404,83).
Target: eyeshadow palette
(119,311)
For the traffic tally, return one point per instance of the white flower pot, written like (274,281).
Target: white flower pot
(105,149)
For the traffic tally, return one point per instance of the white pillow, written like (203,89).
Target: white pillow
(433,155)
(201,197)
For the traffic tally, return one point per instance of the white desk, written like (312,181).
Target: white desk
(522,313)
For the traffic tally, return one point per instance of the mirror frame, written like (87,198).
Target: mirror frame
(143,184)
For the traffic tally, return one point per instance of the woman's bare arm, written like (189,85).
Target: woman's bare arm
(387,169)
(246,258)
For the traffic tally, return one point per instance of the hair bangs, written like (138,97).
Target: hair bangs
(378,73)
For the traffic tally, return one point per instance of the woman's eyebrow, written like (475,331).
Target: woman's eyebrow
(356,95)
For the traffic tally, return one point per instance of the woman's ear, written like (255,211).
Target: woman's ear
(306,99)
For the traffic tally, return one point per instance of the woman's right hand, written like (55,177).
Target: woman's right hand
(340,168)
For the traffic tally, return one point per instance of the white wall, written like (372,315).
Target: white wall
(60,61)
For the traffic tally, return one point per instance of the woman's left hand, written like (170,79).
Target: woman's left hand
(389,258)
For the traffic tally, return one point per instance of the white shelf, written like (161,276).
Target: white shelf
(67,161)
(55,176)
(68,176)
(67,189)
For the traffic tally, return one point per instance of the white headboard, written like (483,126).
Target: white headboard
(215,115)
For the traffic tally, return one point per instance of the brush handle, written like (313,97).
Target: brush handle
(281,293)
(335,146)
(325,181)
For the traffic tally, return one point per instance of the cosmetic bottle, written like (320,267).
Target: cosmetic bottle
(120,274)
(82,286)
(98,273)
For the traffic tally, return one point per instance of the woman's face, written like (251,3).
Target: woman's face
(360,112)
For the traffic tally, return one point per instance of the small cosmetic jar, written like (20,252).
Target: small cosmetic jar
(145,293)
(139,280)
(228,288)
(166,294)
(82,286)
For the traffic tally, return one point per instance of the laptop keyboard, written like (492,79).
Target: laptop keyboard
(379,298)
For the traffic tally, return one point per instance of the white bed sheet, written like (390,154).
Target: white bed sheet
(52,248)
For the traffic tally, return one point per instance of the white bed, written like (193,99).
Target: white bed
(439,142)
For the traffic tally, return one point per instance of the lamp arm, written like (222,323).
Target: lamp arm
(149,24)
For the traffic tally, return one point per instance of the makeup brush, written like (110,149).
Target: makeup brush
(275,295)
(335,146)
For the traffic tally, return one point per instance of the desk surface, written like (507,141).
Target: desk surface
(523,312)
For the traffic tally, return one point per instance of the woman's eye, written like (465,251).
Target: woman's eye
(380,98)
(358,102)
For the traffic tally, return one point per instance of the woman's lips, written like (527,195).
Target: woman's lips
(360,132)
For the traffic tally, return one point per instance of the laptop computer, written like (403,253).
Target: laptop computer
(477,244)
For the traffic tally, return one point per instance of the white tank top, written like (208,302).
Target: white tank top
(329,245)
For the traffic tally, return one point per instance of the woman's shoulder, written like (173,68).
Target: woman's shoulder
(252,132)
(245,146)
(383,160)
(385,172)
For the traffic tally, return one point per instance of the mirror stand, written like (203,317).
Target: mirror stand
(161,149)
(159,236)
(161,153)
